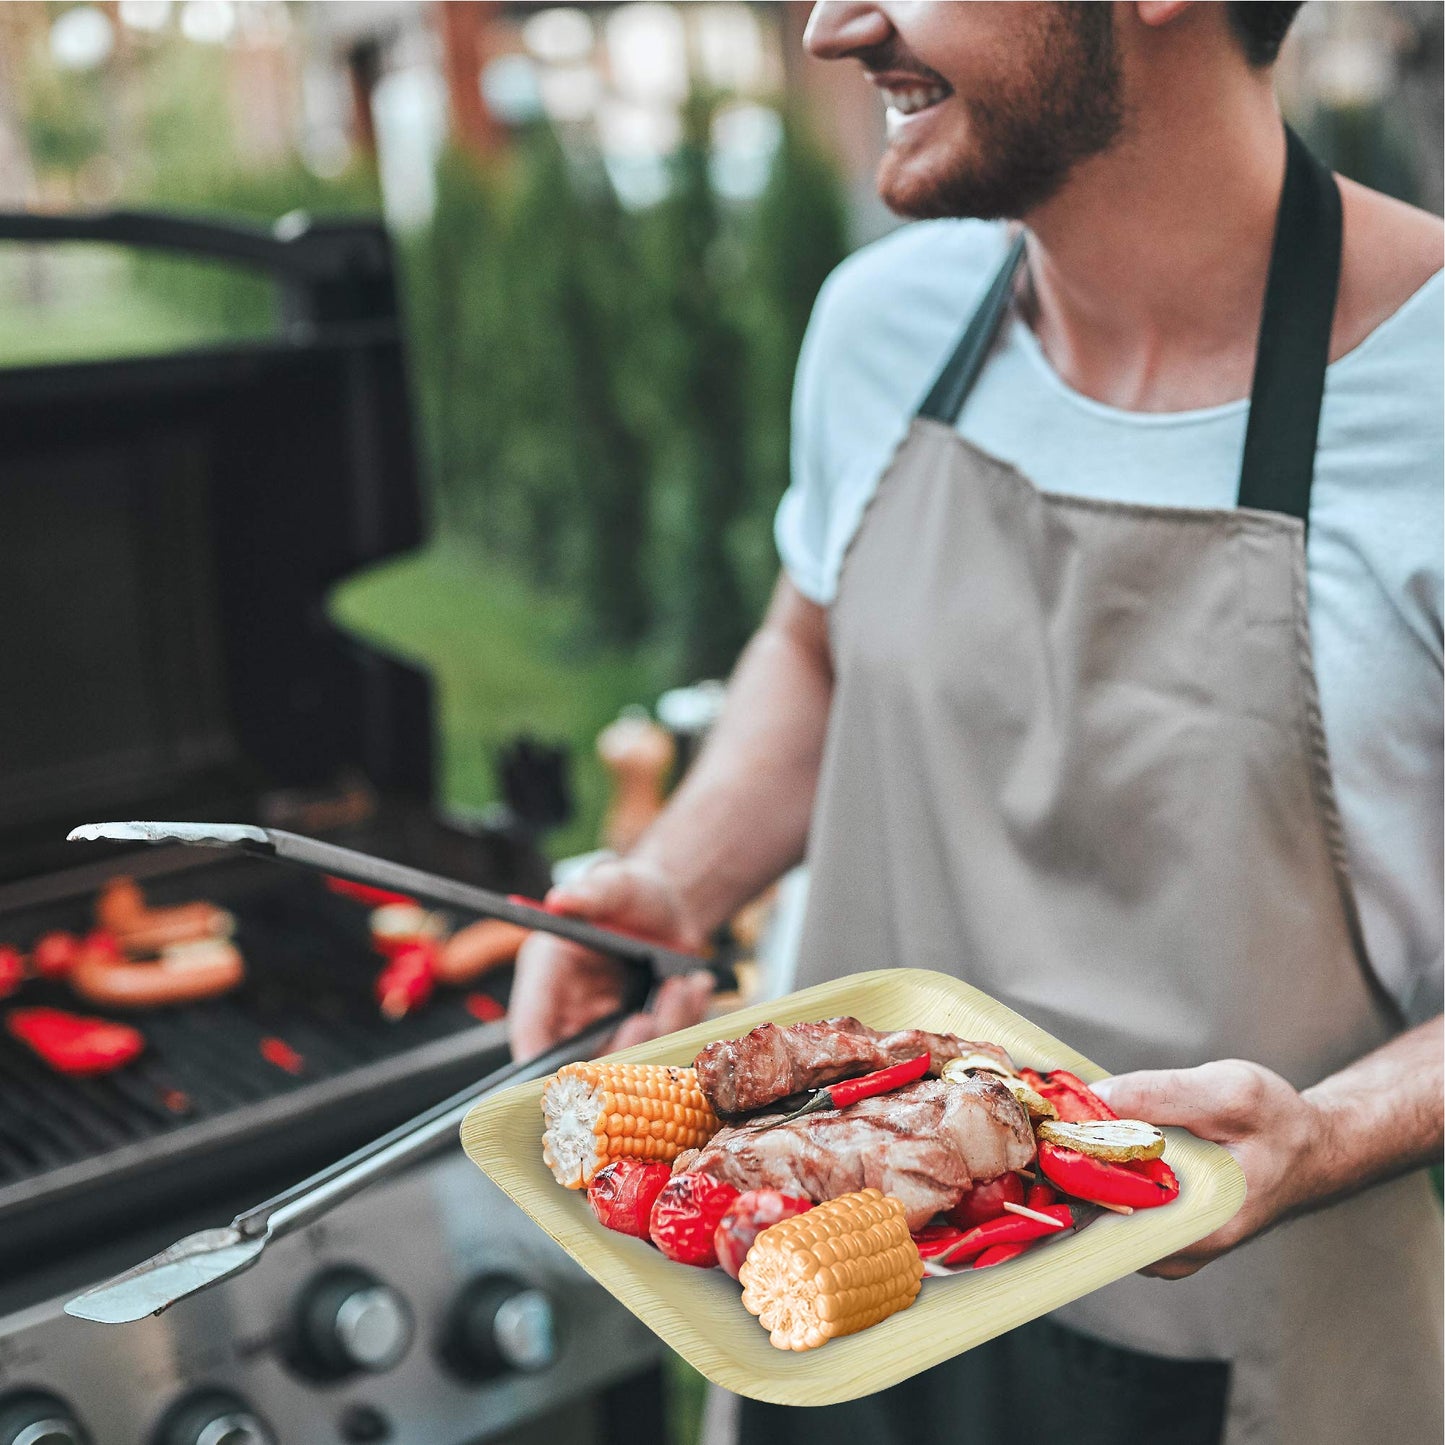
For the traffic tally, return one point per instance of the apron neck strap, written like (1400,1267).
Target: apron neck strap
(1290,360)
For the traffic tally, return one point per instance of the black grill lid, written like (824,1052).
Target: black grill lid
(173,525)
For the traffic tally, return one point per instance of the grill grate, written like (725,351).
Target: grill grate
(309,978)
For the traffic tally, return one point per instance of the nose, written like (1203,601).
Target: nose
(837,29)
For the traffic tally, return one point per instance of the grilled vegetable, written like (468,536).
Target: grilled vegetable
(1002,1253)
(406,983)
(837,1269)
(854,1091)
(1076,1102)
(986,1201)
(685,1217)
(622,1194)
(55,954)
(1006,1229)
(71,1044)
(597,1112)
(1117,1140)
(1143,1184)
(746,1218)
(12,969)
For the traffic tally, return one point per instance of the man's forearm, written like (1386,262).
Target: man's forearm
(1381,1116)
(740,817)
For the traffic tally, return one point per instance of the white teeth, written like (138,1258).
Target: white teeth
(914,98)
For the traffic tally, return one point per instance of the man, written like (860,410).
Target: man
(1047,685)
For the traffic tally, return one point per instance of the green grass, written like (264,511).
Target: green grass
(505,660)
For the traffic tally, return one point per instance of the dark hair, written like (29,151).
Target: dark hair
(1261,25)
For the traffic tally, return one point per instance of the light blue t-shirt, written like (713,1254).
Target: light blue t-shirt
(891,313)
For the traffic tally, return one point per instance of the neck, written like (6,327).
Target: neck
(1148,269)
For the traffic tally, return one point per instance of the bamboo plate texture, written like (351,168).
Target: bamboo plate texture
(699,1313)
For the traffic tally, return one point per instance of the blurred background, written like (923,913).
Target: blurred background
(612,221)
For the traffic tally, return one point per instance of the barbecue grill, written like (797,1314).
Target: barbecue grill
(172,526)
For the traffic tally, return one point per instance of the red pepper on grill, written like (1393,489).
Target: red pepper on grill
(407,981)
(853,1091)
(483,1007)
(12,970)
(1039,1195)
(71,1044)
(366,893)
(1002,1253)
(279,1054)
(1076,1102)
(55,954)
(986,1201)
(1139,1184)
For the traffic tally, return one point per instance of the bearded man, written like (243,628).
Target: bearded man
(1105,673)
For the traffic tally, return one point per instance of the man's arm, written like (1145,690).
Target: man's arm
(739,819)
(1380,1117)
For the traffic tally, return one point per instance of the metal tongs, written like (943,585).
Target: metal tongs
(212,1255)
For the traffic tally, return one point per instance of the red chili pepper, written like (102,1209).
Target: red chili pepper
(852,1091)
(1100,1182)
(986,1201)
(55,954)
(1076,1102)
(279,1053)
(407,981)
(623,1192)
(1002,1253)
(484,1008)
(71,1044)
(365,893)
(1007,1229)
(935,1239)
(12,970)
(1039,1195)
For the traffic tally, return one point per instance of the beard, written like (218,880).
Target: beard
(1059,104)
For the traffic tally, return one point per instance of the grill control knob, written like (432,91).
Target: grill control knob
(347,1322)
(212,1417)
(499,1324)
(35,1418)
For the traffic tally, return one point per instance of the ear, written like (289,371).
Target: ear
(1158,13)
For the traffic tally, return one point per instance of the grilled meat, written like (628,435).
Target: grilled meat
(772,1062)
(925,1144)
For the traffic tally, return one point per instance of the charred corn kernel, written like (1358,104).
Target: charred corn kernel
(837,1269)
(597,1112)
(1116,1141)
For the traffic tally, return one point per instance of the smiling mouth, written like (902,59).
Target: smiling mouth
(908,100)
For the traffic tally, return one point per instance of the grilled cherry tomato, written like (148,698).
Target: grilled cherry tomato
(686,1215)
(747,1216)
(623,1192)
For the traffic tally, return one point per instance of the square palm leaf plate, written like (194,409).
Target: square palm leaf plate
(698,1312)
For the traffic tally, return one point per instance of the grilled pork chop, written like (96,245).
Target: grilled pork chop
(925,1144)
(739,1075)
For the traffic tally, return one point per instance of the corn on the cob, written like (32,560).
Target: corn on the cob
(839,1268)
(597,1112)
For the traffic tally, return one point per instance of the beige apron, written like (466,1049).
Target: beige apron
(1075,757)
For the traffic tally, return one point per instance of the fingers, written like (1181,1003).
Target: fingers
(1205,1100)
(558,989)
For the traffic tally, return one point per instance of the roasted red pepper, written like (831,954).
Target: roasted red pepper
(1002,1253)
(934,1239)
(1140,1184)
(1076,1102)
(623,1192)
(12,970)
(852,1091)
(1007,1229)
(1040,1195)
(54,954)
(71,1044)
(986,1201)
(407,981)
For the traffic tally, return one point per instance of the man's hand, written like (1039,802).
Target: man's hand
(1271,1129)
(560,987)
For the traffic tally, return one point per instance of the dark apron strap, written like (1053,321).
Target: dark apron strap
(1294,340)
